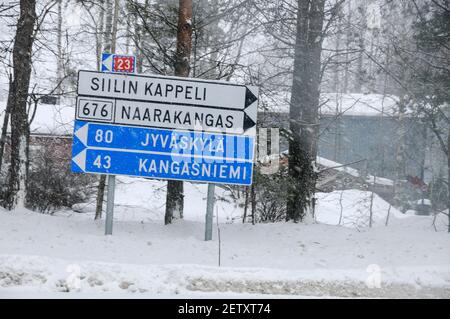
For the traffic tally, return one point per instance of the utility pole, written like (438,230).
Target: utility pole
(175,196)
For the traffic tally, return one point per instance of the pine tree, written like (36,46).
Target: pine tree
(432,75)
(175,196)
(304,107)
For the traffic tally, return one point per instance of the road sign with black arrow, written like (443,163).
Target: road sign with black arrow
(167,102)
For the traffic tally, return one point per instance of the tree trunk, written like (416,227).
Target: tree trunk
(360,78)
(304,106)
(400,155)
(59,64)
(359,72)
(175,197)
(337,89)
(110,46)
(245,205)
(5,122)
(253,202)
(336,77)
(129,32)
(138,41)
(114,27)
(100,196)
(448,178)
(99,36)
(108,26)
(22,50)
(348,40)
(371,202)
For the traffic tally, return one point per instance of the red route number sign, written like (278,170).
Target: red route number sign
(123,64)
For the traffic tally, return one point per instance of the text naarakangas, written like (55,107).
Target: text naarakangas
(169,116)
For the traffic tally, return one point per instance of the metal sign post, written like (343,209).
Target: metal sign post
(110,204)
(209,212)
(120,64)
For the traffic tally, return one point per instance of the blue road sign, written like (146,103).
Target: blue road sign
(162,166)
(118,63)
(161,153)
(194,143)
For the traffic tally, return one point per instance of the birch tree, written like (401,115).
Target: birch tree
(109,39)
(22,51)
(60,58)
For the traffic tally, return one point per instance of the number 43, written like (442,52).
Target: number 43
(104,162)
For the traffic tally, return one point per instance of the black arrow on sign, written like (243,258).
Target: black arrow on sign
(248,122)
(250,110)
(249,97)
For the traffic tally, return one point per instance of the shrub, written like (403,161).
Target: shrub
(51,184)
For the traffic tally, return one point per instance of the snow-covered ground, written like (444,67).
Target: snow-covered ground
(355,206)
(67,255)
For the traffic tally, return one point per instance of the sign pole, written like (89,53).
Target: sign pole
(110,204)
(114,63)
(209,212)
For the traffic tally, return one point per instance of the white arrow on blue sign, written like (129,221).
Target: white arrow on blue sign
(107,62)
(162,154)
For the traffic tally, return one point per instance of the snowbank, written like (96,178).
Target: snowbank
(351,208)
(52,275)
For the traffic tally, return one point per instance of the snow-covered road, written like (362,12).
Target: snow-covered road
(56,254)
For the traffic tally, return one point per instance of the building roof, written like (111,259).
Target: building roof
(370,179)
(332,104)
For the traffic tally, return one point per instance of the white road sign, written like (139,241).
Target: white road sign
(167,102)
(149,114)
(186,91)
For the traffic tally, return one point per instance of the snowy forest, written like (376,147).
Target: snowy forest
(349,194)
